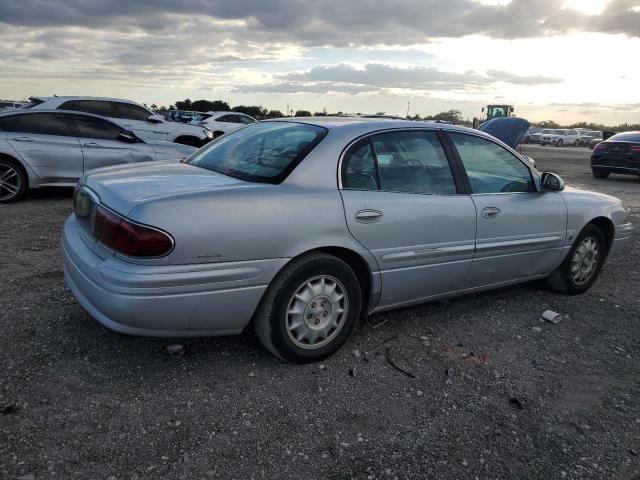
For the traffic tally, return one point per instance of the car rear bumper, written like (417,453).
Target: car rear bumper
(621,238)
(164,300)
(610,166)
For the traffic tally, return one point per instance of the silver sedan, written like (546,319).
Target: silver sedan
(298,227)
(55,147)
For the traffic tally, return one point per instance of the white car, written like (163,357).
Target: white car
(6,105)
(222,122)
(561,138)
(145,123)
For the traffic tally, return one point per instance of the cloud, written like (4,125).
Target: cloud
(348,78)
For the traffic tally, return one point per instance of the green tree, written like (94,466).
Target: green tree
(253,110)
(274,114)
(302,113)
(183,105)
(209,106)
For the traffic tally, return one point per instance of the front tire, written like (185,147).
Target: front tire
(599,173)
(559,143)
(576,143)
(582,264)
(13,182)
(310,309)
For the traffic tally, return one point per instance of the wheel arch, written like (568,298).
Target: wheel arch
(606,227)
(182,138)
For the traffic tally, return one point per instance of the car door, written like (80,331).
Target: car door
(135,118)
(46,142)
(103,143)
(401,202)
(520,229)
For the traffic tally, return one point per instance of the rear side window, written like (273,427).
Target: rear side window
(130,111)
(490,167)
(245,119)
(43,124)
(229,119)
(8,123)
(91,127)
(97,107)
(359,167)
(263,152)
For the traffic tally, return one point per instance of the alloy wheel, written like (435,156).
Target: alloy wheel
(317,312)
(10,182)
(585,261)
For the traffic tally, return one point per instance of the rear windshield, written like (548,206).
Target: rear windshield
(263,152)
(32,103)
(626,137)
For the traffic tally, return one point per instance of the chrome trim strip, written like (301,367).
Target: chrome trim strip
(426,253)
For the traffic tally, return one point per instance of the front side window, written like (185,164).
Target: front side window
(245,119)
(8,123)
(413,162)
(129,111)
(42,124)
(91,127)
(229,119)
(263,152)
(96,107)
(490,167)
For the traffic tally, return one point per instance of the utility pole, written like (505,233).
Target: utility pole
(408,103)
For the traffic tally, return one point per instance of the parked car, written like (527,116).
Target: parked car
(222,122)
(42,148)
(529,134)
(145,123)
(6,105)
(617,154)
(305,224)
(594,137)
(561,138)
(537,136)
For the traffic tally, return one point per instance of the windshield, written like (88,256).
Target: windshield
(261,152)
(32,103)
(626,137)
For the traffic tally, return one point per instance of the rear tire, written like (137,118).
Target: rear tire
(559,144)
(599,173)
(580,268)
(576,143)
(310,309)
(13,181)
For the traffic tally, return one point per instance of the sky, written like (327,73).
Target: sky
(565,60)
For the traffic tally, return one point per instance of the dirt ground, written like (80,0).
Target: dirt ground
(488,390)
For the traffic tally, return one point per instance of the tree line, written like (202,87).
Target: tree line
(452,116)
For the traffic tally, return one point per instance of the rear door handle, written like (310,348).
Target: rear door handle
(23,139)
(490,212)
(91,145)
(368,216)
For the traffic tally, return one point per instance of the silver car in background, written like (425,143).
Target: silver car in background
(42,148)
(298,227)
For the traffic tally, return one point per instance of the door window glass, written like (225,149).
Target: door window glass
(490,167)
(229,119)
(96,107)
(8,123)
(245,119)
(130,111)
(358,167)
(43,124)
(413,162)
(92,127)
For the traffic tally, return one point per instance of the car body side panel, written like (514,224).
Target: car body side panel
(103,153)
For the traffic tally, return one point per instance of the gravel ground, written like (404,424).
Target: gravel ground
(481,388)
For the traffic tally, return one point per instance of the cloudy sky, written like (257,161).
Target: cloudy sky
(568,60)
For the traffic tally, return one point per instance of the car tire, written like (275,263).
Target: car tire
(13,181)
(310,309)
(599,173)
(580,268)
(559,143)
(576,143)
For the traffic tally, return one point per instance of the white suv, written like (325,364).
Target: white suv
(222,122)
(561,138)
(132,116)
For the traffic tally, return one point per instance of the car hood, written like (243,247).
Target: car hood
(171,151)
(510,130)
(124,187)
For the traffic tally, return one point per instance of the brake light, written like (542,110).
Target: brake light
(130,238)
(600,147)
(634,149)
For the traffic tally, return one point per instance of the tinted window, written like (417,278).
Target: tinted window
(262,152)
(413,162)
(626,137)
(43,123)
(358,167)
(245,119)
(90,106)
(7,123)
(91,127)
(228,119)
(491,168)
(130,111)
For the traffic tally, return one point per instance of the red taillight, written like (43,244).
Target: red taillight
(634,149)
(129,238)
(600,147)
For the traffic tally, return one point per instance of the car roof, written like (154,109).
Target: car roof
(83,97)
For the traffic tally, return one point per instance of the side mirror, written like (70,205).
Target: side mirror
(552,182)
(127,136)
(154,119)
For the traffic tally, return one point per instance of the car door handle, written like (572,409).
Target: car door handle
(490,212)
(159,131)
(91,145)
(23,139)
(368,216)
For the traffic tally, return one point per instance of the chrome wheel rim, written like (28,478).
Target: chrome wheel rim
(317,312)
(10,182)
(585,260)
